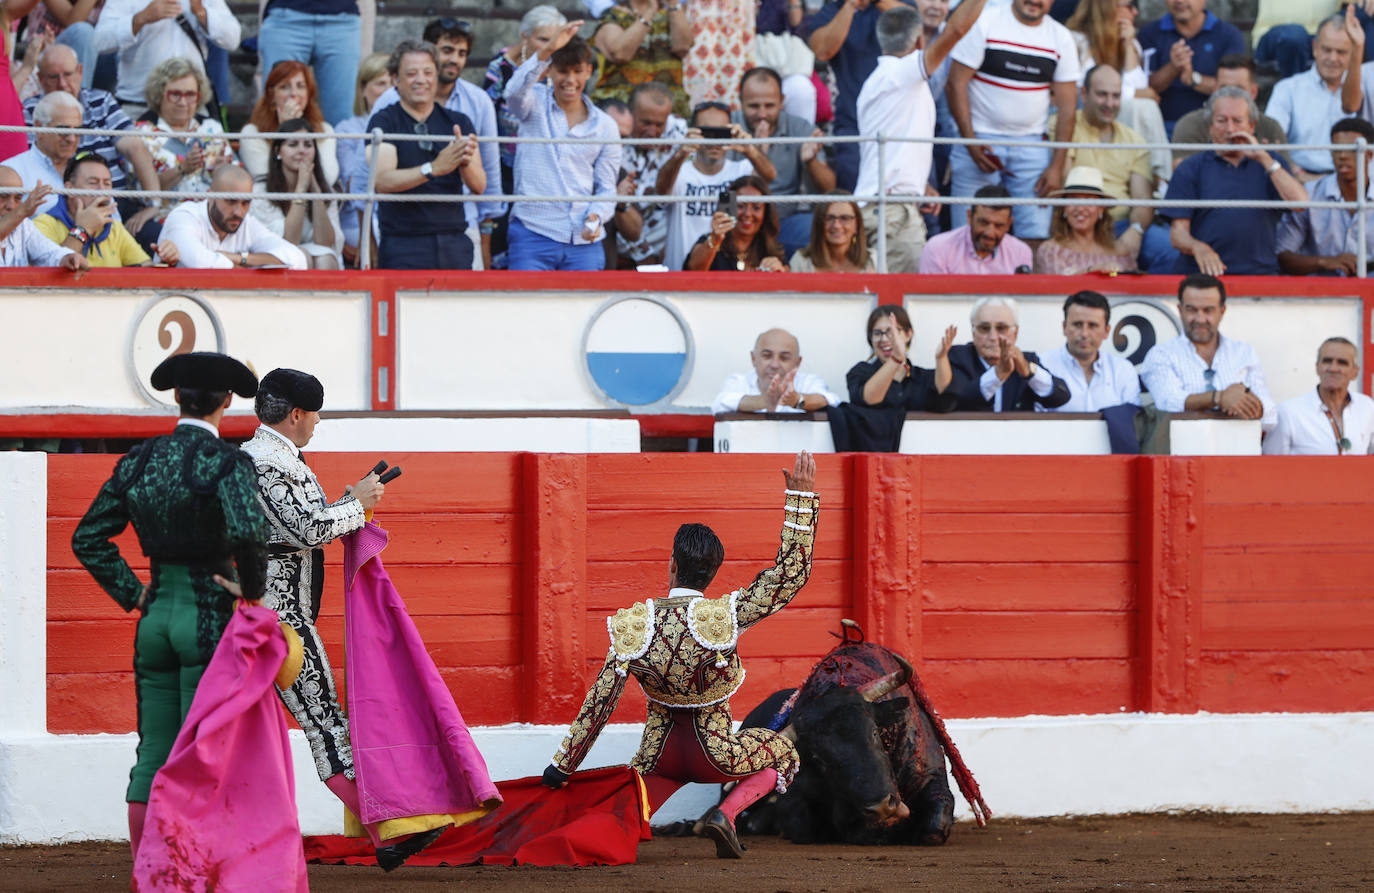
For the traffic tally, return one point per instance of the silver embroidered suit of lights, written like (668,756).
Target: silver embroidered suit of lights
(681,650)
(302,523)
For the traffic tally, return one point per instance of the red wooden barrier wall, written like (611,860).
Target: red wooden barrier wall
(1019,585)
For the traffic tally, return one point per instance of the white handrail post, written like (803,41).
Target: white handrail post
(365,230)
(882,202)
(1361,186)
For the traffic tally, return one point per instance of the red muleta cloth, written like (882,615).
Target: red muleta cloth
(222,811)
(412,752)
(599,818)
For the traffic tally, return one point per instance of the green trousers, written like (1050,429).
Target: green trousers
(170,655)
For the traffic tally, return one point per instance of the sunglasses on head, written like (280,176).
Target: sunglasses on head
(447,24)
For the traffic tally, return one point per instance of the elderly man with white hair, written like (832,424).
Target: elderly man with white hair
(21,244)
(45,162)
(992,374)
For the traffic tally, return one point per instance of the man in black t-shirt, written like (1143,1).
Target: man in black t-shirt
(424,235)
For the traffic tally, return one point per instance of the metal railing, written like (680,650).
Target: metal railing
(882,197)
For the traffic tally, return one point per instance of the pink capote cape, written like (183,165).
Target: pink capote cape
(412,752)
(222,811)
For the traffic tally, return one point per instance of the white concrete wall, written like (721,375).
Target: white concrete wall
(499,435)
(56,788)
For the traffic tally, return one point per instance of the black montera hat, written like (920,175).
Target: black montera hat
(205,370)
(301,388)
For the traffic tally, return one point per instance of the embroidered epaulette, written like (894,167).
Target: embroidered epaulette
(712,623)
(130,468)
(631,630)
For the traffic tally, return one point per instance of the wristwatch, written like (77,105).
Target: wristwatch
(1135,225)
(428,170)
(1197,79)
(801,401)
(243,258)
(1273,166)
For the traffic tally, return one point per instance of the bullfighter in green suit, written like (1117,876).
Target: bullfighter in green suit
(192,499)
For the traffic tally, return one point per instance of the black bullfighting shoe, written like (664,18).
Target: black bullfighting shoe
(390,858)
(717,827)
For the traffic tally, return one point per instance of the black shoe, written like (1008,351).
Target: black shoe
(717,827)
(390,858)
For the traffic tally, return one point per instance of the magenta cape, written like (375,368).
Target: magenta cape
(222,812)
(412,752)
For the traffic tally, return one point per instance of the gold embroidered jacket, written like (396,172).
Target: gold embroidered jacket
(681,650)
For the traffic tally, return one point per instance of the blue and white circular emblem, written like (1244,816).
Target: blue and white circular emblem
(638,351)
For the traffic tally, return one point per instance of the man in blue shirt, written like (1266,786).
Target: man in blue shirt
(1181,53)
(845,34)
(1327,240)
(1235,240)
(562,235)
(424,235)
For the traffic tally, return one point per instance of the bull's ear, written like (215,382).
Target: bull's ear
(888,713)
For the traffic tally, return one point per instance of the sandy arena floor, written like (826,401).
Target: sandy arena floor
(1203,852)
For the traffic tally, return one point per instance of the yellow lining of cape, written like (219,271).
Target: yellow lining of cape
(415,824)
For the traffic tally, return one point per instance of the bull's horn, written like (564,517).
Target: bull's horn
(875,689)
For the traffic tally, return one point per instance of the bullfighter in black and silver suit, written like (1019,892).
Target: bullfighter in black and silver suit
(302,522)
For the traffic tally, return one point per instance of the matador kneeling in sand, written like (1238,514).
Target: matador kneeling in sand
(681,650)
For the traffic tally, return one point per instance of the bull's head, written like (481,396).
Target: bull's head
(838,737)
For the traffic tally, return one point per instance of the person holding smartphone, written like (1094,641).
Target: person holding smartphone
(743,234)
(709,173)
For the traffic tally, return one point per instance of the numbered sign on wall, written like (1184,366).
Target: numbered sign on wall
(167,325)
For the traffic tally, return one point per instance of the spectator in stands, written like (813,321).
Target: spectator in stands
(1032,62)
(1096,379)
(48,158)
(89,226)
(561,235)
(708,173)
(1328,420)
(147,33)
(747,241)
(537,28)
(175,90)
(1236,70)
(620,114)
(838,242)
(1326,240)
(22,245)
(777,46)
(651,104)
(219,233)
(289,93)
(1081,236)
(641,41)
(310,224)
(1357,93)
(800,169)
(59,71)
(888,377)
(373,81)
(1200,370)
(452,40)
(424,235)
(844,34)
(326,36)
(1125,172)
(777,383)
(992,374)
(1182,51)
(896,101)
(984,246)
(1307,104)
(11,113)
(1104,32)
(70,24)
(1230,240)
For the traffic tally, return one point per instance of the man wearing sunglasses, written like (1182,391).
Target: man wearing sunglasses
(452,41)
(424,235)
(1200,371)
(46,161)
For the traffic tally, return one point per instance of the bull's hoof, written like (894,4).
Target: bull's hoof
(717,827)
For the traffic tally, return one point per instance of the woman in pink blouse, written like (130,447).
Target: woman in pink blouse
(1081,238)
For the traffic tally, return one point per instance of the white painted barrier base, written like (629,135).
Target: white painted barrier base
(477,435)
(65,788)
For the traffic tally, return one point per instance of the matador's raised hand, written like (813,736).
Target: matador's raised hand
(803,475)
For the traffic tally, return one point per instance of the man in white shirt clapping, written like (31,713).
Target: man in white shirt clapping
(1328,420)
(777,384)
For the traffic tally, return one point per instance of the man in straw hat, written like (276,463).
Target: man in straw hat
(192,499)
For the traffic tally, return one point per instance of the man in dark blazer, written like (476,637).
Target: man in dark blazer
(992,374)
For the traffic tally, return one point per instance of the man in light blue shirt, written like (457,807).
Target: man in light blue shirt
(1326,241)
(1096,379)
(1308,103)
(452,41)
(584,161)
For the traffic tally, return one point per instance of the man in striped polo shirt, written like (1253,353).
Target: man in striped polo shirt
(1006,71)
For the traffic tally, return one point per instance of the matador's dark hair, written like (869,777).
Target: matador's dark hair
(200,402)
(699,554)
